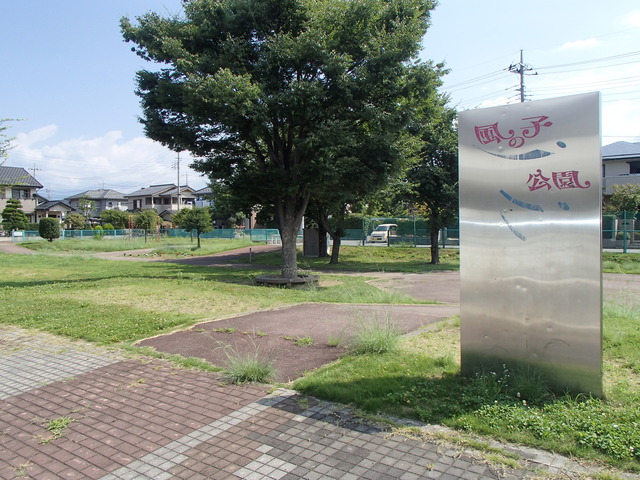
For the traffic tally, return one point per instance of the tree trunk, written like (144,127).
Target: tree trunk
(336,233)
(322,241)
(290,211)
(335,249)
(198,239)
(435,252)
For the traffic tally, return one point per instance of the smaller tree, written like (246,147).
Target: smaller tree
(198,219)
(13,218)
(49,228)
(625,198)
(117,218)
(75,221)
(86,206)
(148,220)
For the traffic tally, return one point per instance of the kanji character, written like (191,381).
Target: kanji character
(538,181)
(568,179)
(490,133)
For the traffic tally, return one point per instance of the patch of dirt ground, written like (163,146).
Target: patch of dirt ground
(274,334)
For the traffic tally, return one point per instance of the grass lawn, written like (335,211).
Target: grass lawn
(377,259)
(621,262)
(421,380)
(177,246)
(109,302)
(118,302)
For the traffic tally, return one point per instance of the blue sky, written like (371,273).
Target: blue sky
(69,75)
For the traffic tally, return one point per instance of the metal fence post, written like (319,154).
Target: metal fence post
(624,231)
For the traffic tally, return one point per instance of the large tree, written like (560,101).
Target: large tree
(269,94)
(433,179)
(358,179)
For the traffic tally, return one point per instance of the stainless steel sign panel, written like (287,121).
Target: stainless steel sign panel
(530,210)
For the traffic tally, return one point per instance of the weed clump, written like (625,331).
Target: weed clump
(375,336)
(244,367)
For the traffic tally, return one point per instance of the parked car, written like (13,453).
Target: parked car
(382,233)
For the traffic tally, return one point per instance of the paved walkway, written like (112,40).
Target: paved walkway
(131,418)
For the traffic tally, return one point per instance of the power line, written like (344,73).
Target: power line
(593,60)
(522,69)
(589,68)
(481,77)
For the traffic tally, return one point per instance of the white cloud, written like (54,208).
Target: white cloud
(633,18)
(73,166)
(580,44)
(620,121)
(35,136)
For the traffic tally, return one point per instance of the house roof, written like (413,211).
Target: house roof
(621,150)
(100,194)
(183,189)
(204,191)
(52,203)
(17,176)
(152,190)
(160,190)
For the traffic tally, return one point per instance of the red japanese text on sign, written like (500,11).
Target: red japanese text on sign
(491,133)
(562,180)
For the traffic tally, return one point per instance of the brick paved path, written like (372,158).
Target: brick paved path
(132,418)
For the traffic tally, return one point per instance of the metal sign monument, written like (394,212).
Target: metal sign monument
(530,236)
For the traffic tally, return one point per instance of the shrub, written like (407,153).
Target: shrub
(622,235)
(49,228)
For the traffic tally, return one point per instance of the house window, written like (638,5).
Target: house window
(634,167)
(167,201)
(19,194)
(147,201)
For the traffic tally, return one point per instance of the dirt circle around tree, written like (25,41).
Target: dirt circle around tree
(301,281)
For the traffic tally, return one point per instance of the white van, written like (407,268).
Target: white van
(382,233)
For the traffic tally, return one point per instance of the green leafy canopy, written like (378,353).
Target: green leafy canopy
(278,98)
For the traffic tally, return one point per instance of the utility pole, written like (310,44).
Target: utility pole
(521,68)
(34,170)
(179,196)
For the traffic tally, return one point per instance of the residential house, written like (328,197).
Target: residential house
(52,209)
(203,198)
(162,198)
(620,165)
(16,182)
(101,199)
